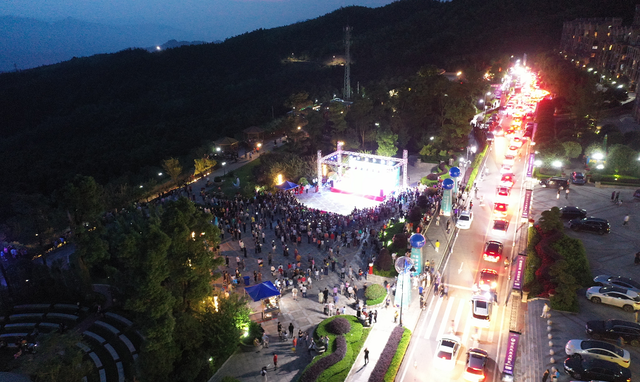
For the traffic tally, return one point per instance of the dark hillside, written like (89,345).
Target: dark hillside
(120,114)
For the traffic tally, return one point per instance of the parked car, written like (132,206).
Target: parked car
(475,371)
(464,220)
(572,213)
(623,298)
(590,224)
(578,178)
(596,369)
(619,281)
(614,329)
(554,182)
(598,349)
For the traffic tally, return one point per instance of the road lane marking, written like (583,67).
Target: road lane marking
(445,325)
(459,314)
(459,287)
(467,328)
(460,269)
(432,321)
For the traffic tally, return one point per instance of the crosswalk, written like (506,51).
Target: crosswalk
(445,313)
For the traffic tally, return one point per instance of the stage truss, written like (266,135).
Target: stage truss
(335,159)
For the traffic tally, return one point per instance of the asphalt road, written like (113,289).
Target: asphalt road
(460,273)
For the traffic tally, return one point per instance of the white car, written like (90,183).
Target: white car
(500,227)
(509,160)
(464,220)
(506,169)
(447,352)
(481,305)
(598,349)
(623,298)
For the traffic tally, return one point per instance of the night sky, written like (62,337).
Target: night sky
(206,19)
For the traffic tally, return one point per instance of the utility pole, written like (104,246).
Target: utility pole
(346,92)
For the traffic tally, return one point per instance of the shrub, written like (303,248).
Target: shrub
(384,262)
(415,214)
(423,202)
(400,240)
(313,372)
(390,376)
(432,177)
(339,326)
(389,351)
(375,294)
(596,177)
(303,181)
(573,252)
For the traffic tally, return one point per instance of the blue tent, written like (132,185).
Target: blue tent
(286,185)
(262,291)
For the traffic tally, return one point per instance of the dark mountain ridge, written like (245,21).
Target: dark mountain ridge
(116,116)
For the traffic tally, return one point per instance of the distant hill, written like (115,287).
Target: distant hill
(175,44)
(28,43)
(117,116)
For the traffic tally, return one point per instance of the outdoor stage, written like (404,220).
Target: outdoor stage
(335,202)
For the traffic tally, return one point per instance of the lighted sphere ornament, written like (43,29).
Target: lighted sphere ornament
(417,240)
(447,184)
(454,172)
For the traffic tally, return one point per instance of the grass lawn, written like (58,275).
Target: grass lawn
(355,339)
(245,173)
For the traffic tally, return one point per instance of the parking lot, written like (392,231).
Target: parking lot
(611,254)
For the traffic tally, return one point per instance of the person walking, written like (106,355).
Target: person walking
(437,245)
(545,375)
(291,329)
(294,292)
(626,220)
(366,356)
(395,317)
(275,361)
(545,311)
(613,196)
(558,194)
(263,373)
(566,193)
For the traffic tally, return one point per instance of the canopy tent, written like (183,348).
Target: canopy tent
(253,133)
(262,291)
(286,185)
(227,143)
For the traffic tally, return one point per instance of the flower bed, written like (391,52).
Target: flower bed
(382,366)
(354,340)
(390,376)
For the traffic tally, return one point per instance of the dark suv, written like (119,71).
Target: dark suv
(614,329)
(554,182)
(591,224)
(578,178)
(596,369)
(568,212)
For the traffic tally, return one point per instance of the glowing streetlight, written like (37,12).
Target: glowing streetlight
(159,174)
(556,164)
(299,127)
(600,166)
(537,163)
(218,149)
(431,138)
(598,156)
(279,179)
(224,169)
(459,74)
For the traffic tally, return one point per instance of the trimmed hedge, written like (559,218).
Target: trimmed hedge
(375,294)
(339,326)
(312,373)
(398,357)
(355,339)
(475,165)
(388,353)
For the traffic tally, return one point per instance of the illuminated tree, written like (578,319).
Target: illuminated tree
(172,167)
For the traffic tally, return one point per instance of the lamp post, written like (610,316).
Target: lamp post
(403,266)
(224,169)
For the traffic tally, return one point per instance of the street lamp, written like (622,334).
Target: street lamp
(218,149)
(556,164)
(224,168)
(159,174)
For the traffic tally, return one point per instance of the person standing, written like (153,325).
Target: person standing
(275,361)
(545,311)
(626,220)
(291,329)
(545,375)
(613,196)
(566,193)
(395,317)
(366,356)
(558,194)
(437,245)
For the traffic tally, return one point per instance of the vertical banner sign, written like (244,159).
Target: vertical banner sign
(519,276)
(512,352)
(530,165)
(417,241)
(526,205)
(447,197)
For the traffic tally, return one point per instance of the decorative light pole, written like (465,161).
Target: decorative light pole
(404,265)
